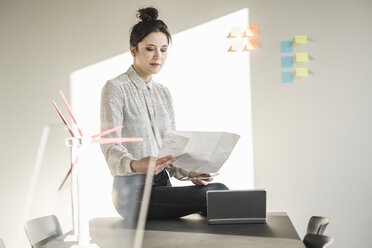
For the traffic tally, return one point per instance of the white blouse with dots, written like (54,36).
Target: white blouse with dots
(145,110)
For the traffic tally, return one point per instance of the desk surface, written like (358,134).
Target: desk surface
(193,231)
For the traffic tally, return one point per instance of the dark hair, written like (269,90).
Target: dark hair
(148,23)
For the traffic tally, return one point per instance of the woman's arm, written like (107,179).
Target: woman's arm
(117,156)
(195,178)
(142,164)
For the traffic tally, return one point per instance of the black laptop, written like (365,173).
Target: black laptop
(236,206)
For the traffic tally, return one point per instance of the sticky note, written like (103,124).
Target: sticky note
(302,57)
(251,30)
(300,39)
(252,44)
(236,45)
(302,72)
(236,32)
(287,76)
(286,47)
(287,61)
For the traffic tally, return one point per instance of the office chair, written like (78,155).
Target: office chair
(317,240)
(317,225)
(41,230)
(2,245)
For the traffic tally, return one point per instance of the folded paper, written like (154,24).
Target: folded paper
(173,144)
(203,152)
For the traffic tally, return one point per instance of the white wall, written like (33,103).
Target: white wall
(311,139)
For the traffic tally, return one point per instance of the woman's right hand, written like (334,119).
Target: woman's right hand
(142,164)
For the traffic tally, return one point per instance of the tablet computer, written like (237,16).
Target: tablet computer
(236,206)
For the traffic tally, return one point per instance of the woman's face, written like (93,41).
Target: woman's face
(151,54)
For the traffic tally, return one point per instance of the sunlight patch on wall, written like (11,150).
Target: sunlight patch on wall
(211,90)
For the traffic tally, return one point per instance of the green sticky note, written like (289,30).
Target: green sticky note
(302,57)
(300,39)
(302,72)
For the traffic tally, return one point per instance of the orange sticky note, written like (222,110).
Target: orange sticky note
(236,45)
(251,30)
(252,44)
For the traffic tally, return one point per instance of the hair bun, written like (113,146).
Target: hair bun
(147,14)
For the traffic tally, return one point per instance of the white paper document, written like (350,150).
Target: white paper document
(203,152)
(173,144)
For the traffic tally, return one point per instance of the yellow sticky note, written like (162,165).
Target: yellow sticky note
(236,45)
(300,39)
(302,57)
(302,72)
(236,32)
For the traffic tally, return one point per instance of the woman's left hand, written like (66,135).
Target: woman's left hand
(196,178)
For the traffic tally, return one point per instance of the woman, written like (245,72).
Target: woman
(145,109)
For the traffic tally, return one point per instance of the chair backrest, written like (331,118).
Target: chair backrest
(2,245)
(317,225)
(317,241)
(42,229)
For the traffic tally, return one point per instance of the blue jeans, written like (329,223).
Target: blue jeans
(166,201)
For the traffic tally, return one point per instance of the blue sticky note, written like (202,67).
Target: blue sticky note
(287,76)
(286,47)
(287,61)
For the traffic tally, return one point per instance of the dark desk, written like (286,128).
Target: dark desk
(193,231)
